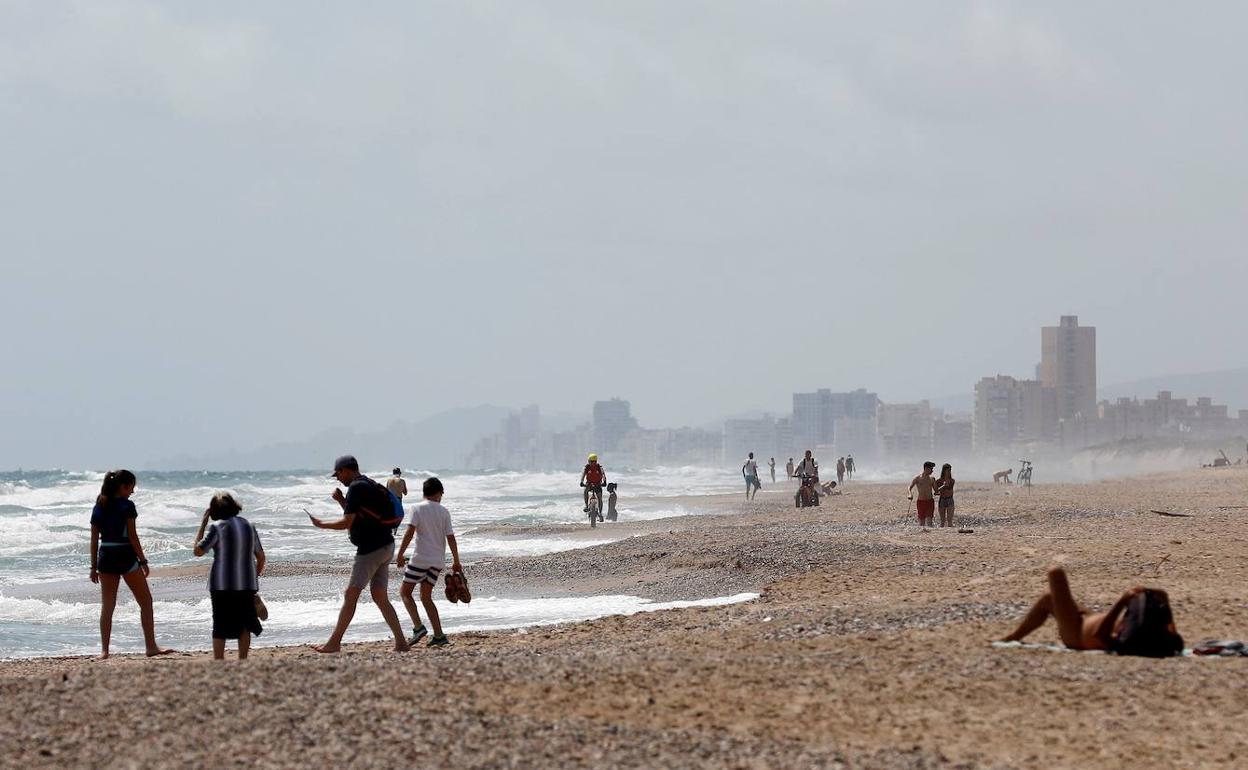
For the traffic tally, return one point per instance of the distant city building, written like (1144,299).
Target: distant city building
(612,422)
(816,416)
(742,436)
(1068,365)
(907,429)
(1009,412)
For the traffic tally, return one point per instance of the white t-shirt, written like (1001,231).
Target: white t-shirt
(808,466)
(751,468)
(433,523)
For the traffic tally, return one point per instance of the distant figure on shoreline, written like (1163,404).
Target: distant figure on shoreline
(840,470)
(849,467)
(925,506)
(749,470)
(593,476)
(1000,476)
(772,465)
(234,580)
(788,468)
(1139,623)
(366,514)
(117,555)
(612,498)
(944,488)
(809,466)
(397,484)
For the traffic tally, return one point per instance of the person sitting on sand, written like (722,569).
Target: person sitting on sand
(827,488)
(117,555)
(362,506)
(430,522)
(1147,627)
(926,505)
(237,562)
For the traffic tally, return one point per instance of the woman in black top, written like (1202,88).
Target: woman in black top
(116,554)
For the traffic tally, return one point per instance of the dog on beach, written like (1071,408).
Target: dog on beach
(1002,475)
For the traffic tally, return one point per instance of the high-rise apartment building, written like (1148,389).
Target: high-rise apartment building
(612,422)
(1068,365)
(815,416)
(1010,411)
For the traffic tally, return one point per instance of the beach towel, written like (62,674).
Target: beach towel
(1225,648)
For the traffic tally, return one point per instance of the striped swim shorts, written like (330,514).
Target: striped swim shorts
(414,574)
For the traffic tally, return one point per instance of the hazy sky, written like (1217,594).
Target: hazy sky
(228,223)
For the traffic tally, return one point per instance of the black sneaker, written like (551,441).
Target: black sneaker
(439,641)
(417,635)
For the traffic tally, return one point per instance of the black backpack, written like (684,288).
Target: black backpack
(1147,627)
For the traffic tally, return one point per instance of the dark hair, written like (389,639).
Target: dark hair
(1148,627)
(113,482)
(397,471)
(433,486)
(929,464)
(611,486)
(223,506)
(946,468)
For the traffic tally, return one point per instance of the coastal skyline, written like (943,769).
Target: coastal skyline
(218,217)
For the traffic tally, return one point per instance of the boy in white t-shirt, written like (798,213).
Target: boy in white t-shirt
(430,522)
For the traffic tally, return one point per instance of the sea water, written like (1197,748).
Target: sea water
(48,607)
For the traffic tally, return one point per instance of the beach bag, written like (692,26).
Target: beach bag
(1148,627)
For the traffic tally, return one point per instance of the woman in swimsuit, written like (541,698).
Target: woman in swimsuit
(944,492)
(116,555)
(1077,627)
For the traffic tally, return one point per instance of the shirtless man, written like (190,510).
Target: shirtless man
(1002,475)
(397,484)
(926,504)
(1078,628)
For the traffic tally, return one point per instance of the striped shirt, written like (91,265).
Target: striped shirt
(235,545)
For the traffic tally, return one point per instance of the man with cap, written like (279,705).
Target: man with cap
(362,506)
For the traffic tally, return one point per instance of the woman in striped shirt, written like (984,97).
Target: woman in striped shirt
(238,561)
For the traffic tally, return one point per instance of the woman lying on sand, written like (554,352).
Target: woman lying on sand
(1139,623)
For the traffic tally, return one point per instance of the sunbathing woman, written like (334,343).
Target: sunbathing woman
(1149,629)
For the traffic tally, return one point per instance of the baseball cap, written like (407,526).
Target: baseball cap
(346,461)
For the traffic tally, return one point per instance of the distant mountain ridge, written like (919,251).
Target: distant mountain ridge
(439,441)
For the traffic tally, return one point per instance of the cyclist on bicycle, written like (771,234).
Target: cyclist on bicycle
(592,479)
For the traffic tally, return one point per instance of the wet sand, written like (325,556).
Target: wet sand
(869,647)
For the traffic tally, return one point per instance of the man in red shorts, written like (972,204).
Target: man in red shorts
(926,504)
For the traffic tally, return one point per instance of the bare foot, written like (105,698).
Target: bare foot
(402,646)
(326,648)
(103,656)
(159,651)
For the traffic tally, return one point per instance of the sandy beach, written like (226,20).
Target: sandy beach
(869,646)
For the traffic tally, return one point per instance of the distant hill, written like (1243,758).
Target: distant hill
(439,441)
(1228,387)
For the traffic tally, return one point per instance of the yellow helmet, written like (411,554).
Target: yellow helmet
(593,458)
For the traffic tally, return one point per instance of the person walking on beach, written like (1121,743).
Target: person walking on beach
(849,467)
(592,479)
(237,562)
(771,464)
(363,508)
(788,468)
(944,489)
(750,471)
(396,484)
(430,522)
(117,555)
(840,470)
(926,504)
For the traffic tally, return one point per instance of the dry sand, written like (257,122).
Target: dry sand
(869,647)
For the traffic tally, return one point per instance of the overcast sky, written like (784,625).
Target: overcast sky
(228,223)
